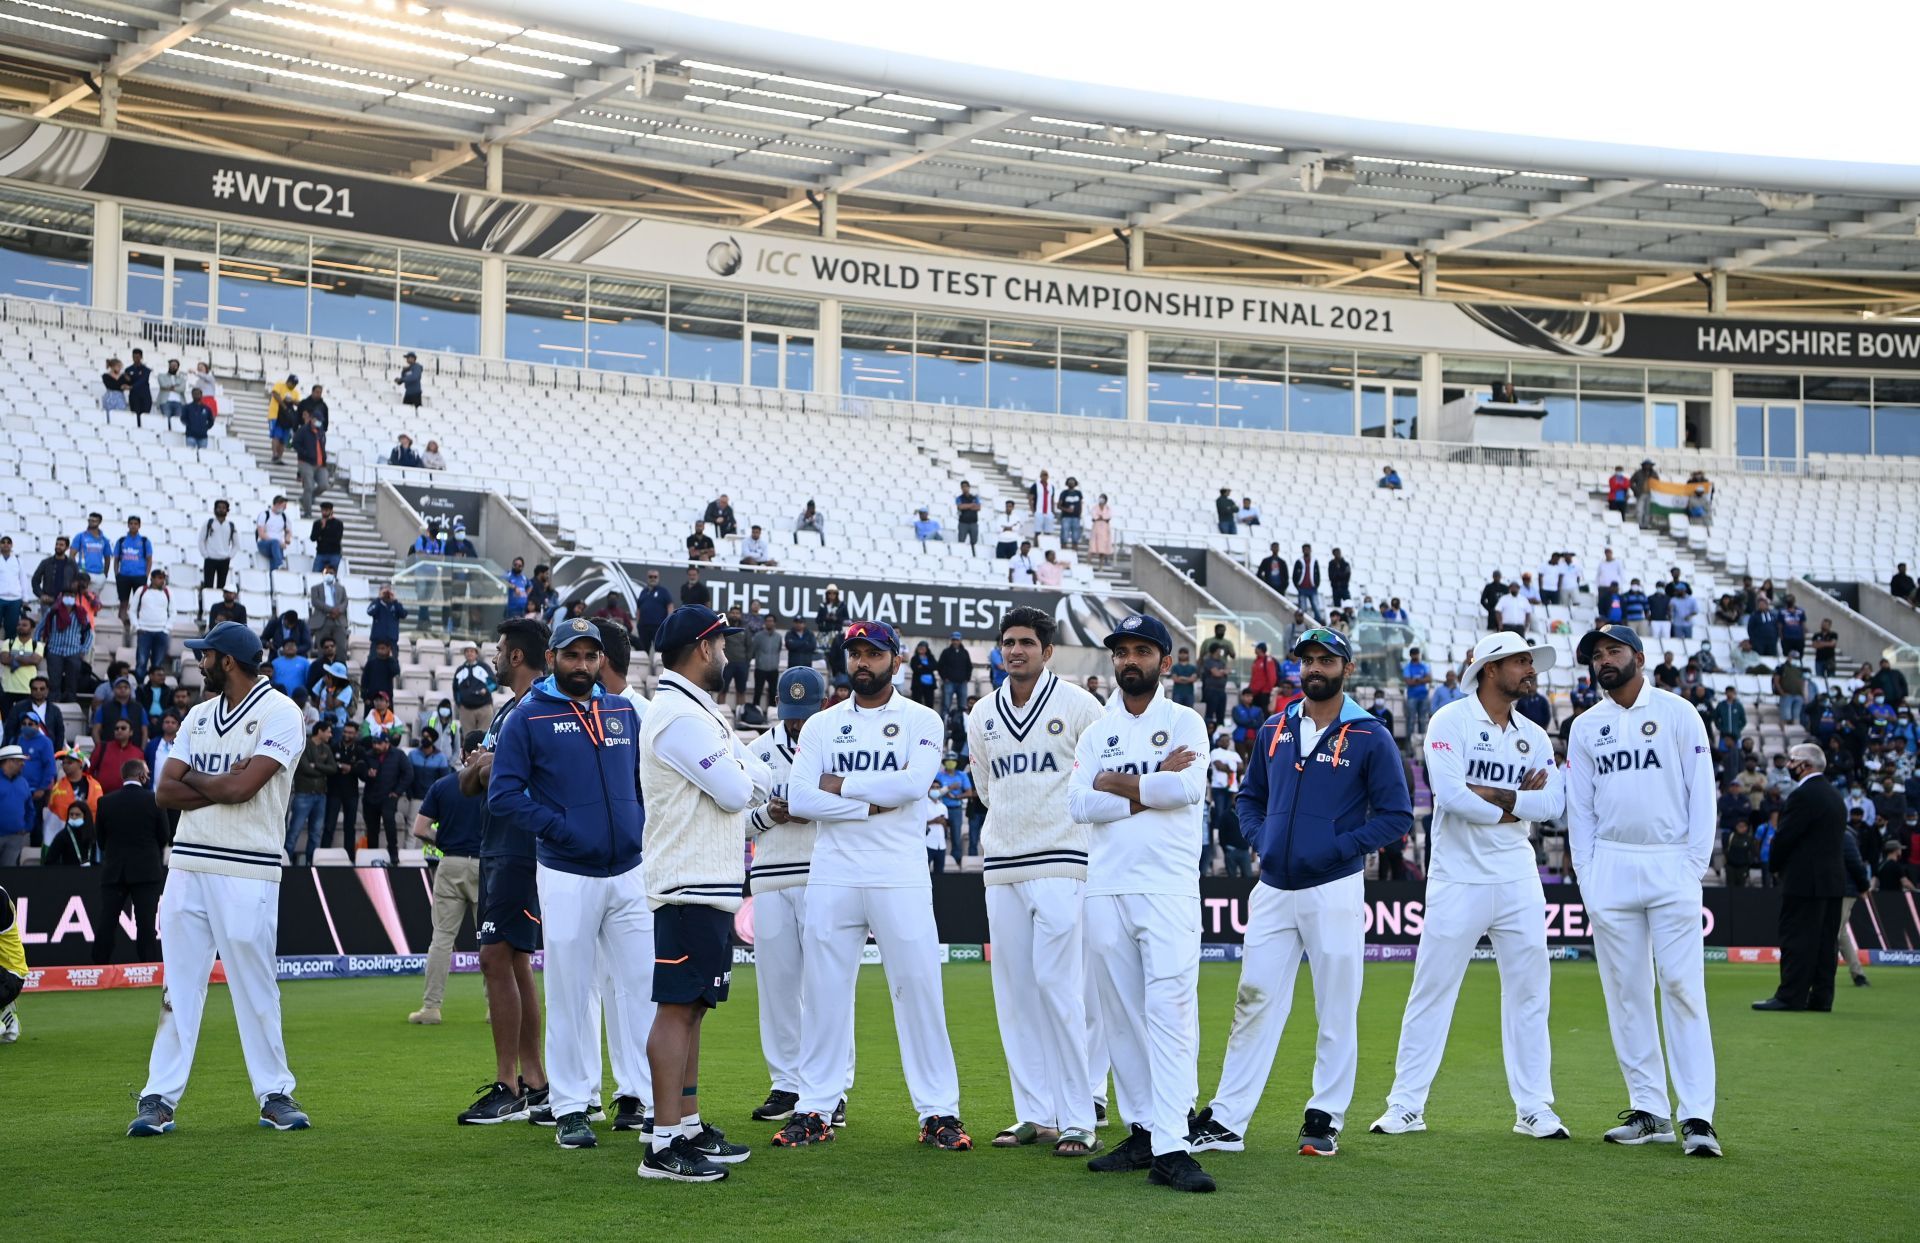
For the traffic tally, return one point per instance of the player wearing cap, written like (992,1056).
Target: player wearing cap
(1640,826)
(231,777)
(1493,775)
(1138,779)
(1323,789)
(861,775)
(1021,742)
(782,852)
(564,773)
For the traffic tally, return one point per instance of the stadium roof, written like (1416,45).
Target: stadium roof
(620,105)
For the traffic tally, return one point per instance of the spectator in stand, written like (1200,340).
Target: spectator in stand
(381,673)
(1186,676)
(196,419)
(387,613)
(41,770)
(315,403)
(1826,648)
(66,636)
(310,456)
(286,626)
(926,528)
(1793,627)
(693,591)
(1273,570)
(956,673)
(811,519)
(429,762)
(403,454)
(209,387)
(1070,504)
(432,459)
(1248,515)
(1419,681)
(1746,660)
(290,669)
(440,719)
(764,646)
(328,537)
(1008,541)
(307,814)
(409,380)
(155,696)
(1226,513)
(19,817)
(1379,711)
(1891,682)
(113,385)
(457,544)
(1607,577)
(1763,628)
(1531,590)
(831,617)
(1389,479)
(1660,614)
(1619,491)
(966,508)
(923,674)
(385,774)
(1583,695)
(473,689)
(381,718)
(1512,612)
(652,607)
(720,513)
(1247,717)
(1901,586)
(1490,597)
(283,414)
(1395,612)
(343,788)
(1682,608)
(1730,716)
(734,650)
(1306,581)
(516,581)
(996,667)
(153,613)
(754,549)
(1042,506)
(1050,571)
(56,573)
(219,540)
(1536,708)
(1020,566)
(1633,607)
(801,645)
(139,380)
(23,660)
(132,563)
(426,544)
(15,584)
(1340,578)
(91,548)
(699,543)
(1445,693)
(1549,581)
(1213,686)
(336,697)
(1666,674)
(613,609)
(1263,679)
(273,533)
(1100,541)
(111,757)
(117,706)
(172,387)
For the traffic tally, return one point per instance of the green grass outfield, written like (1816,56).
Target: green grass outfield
(1816,1111)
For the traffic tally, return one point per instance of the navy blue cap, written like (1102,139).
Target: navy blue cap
(1332,640)
(879,634)
(1591,639)
(573,630)
(1141,626)
(802,691)
(230,639)
(691,623)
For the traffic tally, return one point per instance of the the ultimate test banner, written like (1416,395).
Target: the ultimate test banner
(342,921)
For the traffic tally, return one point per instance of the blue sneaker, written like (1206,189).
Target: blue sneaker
(155,1117)
(283,1113)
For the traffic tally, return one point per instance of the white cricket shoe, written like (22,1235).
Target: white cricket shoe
(1637,1126)
(1399,1122)
(9,1026)
(1541,1124)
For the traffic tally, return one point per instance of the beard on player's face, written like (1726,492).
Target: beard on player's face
(213,672)
(868,680)
(1136,679)
(1615,673)
(575,682)
(1321,687)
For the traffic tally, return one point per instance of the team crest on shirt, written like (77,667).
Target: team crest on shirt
(253,727)
(892,730)
(1522,745)
(1055,726)
(614,726)
(1160,737)
(1650,728)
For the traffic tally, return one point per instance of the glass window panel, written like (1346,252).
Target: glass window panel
(870,367)
(427,267)
(1093,388)
(876,321)
(1840,388)
(1301,360)
(1373,411)
(1562,421)
(1750,431)
(1019,335)
(787,312)
(550,284)
(352,308)
(192,288)
(1666,424)
(1896,431)
(1251,400)
(800,364)
(1324,406)
(1406,415)
(353,259)
(763,360)
(1252,356)
(1783,435)
(1837,427)
(545,332)
(1181,395)
(1093,344)
(46,212)
(1612,420)
(1528,373)
(1902,389)
(704,349)
(439,317)
(950,375)
(1767,386)
(1613,380)
(1182,351)
(950,330)
(634,343)
(1020,381)
(263,295)
(161,229)
(146,282)
(705,303)
(1476,374)
(1388,366)
(285,249)
(608,291)
(1680,381)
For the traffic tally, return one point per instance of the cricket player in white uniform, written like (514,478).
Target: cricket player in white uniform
(1493,776)
(1138,779)
(1640,825)
(231,777)
(1021,742)
(782,853)
(861,775)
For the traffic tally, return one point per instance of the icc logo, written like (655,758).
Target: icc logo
(1113,740)
(724,257)
(846,729)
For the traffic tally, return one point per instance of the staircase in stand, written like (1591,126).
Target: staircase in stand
(995,485)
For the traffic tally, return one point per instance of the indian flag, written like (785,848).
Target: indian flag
(1665,497)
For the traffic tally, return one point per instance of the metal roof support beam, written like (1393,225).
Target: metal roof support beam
(1537,213)
(585,92)
(887,163)
(1262,177)
(1645,287)
(195,16)
(1840,230)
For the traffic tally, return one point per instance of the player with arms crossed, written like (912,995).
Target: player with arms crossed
(1138,779)
(1493,775)
(861,776)
(231,777)
(1021,742)
(1640,826)
(782,852)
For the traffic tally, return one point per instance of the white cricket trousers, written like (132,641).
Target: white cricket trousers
(239,919)
(1040,998)
(1513,914)
(590,924)
(1098,1063)
(1644,905)
(1328,922)
(838,918)
(779,920)
(1146,952)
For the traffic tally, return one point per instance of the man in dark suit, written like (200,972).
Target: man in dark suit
(1807,857)
(132,830)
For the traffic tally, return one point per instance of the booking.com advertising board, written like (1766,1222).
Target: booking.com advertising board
(57,155)
(341,922)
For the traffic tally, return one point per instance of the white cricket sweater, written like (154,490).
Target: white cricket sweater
(698,780)
(887,757)
(239,839)
(1469,845)
(782,853)
(1156,850)
(1021,758)
(1640,776)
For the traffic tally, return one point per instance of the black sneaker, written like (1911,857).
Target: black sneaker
(712,1143)
(778,1106)
(839,1114)
(629,1114)
(1099,1115)
(1206,1135)
(283,1113)
(945,1131)
(803,1129)
(1181,1172)
(497,1103)
(154,1118)
(534,1103)
(573,1131)
(1135,1152)
(680,1162)
(1317,1136)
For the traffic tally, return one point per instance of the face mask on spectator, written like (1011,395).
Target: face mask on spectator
(76,822)
(67,600)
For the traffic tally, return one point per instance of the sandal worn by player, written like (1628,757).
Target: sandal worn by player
(1074,1142)
(1025,1133)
